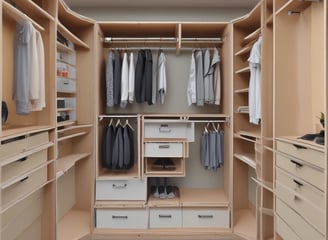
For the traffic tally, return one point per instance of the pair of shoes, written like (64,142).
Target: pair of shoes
(164,191)
(164,163)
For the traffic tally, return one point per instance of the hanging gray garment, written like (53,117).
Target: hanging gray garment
(139,89)
(221,153)
(117,78)
(155,80)
(217,76)
(199,78)
(22,39)
(110,80)
(148,76)
(208,78)
(212,148)
(203,148)
(117,155)
(107,146)
(205,156)
(131,140)
(126,148)
(161,77)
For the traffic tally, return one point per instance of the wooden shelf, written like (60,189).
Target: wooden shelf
(251,37)
(243,70)
(119,204)
(245,223)
(70,128)
(243,90)
(267,211)
(158,202)
(243,51)
(108,174)
(74,225)
(71,37)
(248,135)
(65,163)
(71,136)
(19,16)
(294,5)
(248,158)
(65,109)
(33,9)
(197,197)
(63,48)
(65,123)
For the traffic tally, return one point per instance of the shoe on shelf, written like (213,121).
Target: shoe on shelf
(172,191)
(162,192)
(154,191)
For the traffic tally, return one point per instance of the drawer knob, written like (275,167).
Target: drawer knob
(205,216)
(164,216)
(299,184)
(119,186)
(296,163)
(119,217)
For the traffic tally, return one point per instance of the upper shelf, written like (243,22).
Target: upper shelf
(71,37)
(33,9)
(293,5)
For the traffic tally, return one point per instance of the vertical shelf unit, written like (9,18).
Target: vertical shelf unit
(247,136)
(27,148)
(75,133)
(300,69)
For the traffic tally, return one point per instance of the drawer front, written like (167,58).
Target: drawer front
(122,218)
(17,224)
(24,186)
(296,222)
(285,231)
(23,165)
(309,211)
(301,170)
(206,218)
(66,85)
(165,218)
(306,154)
(163,149)
(169,130)
(121,189)
(18,146)
(300,187)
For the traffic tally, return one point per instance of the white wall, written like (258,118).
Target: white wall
(163,14)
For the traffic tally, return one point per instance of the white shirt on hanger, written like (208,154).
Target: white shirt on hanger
(124,81)
(191,89)
(131,78)
(254,92)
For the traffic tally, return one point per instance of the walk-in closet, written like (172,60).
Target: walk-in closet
(163,127)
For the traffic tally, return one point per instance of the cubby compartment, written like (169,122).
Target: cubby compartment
(165,167)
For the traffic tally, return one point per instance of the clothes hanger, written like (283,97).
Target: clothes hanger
(110,122)
(128,124)
(118,123)
(213,125)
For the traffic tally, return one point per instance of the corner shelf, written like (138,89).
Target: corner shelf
(71,37)
(65,163)
(248,158)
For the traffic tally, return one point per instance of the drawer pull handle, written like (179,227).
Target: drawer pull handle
(164,128)
(299,146)
(22,159)
(23,179)
(119,186)
(164,216)
(296,163)
(119,217)
(164,146)
(205,216)
(298,183)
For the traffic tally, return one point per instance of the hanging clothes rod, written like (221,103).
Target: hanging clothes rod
(161,40)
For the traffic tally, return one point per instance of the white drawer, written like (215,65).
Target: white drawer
(296,222)
(21,216)
(66,85)
(169,130)
(285,231)
(308,210)
(300,187)
(24,185)
(23,165)
(205,218)
(22,144)
(303,152)
(165,149)
(122,218)
(121,190)
(301,170)
(165,218)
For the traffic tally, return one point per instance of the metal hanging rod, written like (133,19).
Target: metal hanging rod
(160,40)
